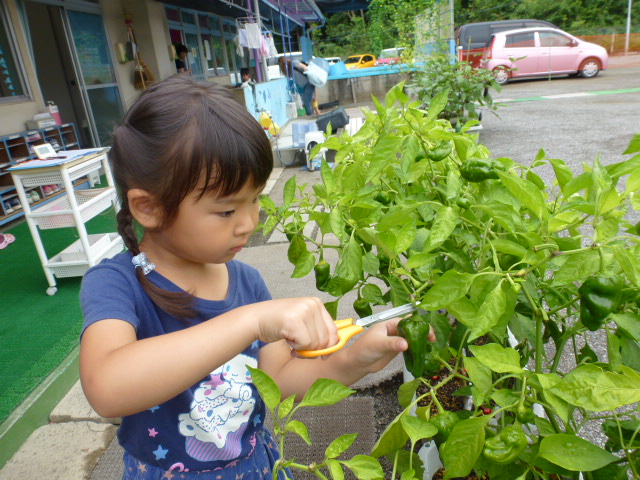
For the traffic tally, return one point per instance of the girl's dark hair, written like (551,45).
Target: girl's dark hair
(178,135)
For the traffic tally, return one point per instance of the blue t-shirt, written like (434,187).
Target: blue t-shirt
(217,420)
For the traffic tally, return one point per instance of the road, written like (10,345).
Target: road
(584,117)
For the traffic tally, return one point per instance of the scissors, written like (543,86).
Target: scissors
(348,328)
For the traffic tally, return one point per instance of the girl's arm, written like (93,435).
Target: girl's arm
(371,352)
(122,375)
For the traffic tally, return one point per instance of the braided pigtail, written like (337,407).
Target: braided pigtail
(180,136)
(177,304)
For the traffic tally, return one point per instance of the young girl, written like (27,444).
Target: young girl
(171,323)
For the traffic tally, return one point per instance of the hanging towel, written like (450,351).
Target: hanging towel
(239,49)
(254,35)
(244,37)
(264,47)
(273,51)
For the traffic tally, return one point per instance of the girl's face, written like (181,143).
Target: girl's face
(211,229)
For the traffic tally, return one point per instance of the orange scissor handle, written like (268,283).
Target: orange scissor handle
(346,330)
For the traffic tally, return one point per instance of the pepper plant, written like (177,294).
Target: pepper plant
(517,276)
(470,89)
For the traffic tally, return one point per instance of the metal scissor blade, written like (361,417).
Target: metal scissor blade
(386,314)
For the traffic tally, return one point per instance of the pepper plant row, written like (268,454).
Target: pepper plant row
(418,212)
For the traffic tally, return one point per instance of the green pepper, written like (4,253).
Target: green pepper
(524,413)
(440,151)
(444,422)
(415,330)
(477,170)
(506,446)
(383,197)
(599,296)
(463,203)
(323,273)
(362,307)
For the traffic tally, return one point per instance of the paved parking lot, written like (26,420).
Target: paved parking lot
(583,117)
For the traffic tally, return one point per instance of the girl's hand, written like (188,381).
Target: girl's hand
(303,322)
(377,346)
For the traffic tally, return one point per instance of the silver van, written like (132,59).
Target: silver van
(472,38)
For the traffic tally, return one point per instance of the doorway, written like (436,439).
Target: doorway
(75,69)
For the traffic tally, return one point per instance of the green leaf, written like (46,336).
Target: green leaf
(365,468)
(340,445)
(447,289)
(489,312)
(417,428)
(628,262)
(497,358)
(562,171)
(634,145)
(325,392)
(574,453)
(349,267)
(406,392)
(578,266)
(327,177)
(443,226)
(289,192)
(304,265)
(297,248)
(406,236)
(298,428)
(335,468)
(630,322)
(592,388)
(463,447)
(337,222)
(286,406)
(393,438)
(548,381)
(437,104)
(479,374)
(268,389)
(525,191)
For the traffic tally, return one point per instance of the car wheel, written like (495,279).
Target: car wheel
(589,68)
(501,75)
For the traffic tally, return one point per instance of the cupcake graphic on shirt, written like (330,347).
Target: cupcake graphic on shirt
(220,412)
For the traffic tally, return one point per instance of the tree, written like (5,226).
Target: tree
(344,33)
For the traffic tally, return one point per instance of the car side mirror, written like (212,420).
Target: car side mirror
(573,43)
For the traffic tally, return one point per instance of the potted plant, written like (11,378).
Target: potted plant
(515,275)
(470,89)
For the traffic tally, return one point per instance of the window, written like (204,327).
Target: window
(520,40)
(552,39)
(11,79)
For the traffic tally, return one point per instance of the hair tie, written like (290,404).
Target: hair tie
(141,261)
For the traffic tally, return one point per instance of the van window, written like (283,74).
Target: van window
(520,40)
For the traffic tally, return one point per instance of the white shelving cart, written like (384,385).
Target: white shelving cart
(72,208)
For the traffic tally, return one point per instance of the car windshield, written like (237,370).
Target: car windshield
(390,53)
(352,60)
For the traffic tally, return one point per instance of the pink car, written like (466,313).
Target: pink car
(540,51)
(390,56)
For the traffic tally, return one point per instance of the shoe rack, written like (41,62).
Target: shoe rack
(71,209)
(17,148)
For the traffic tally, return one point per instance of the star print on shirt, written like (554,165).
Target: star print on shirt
(160,452)
(168,475)
(153,409)
(257,419)
(152,432)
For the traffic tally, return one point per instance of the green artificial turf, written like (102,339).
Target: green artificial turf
(37,331)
